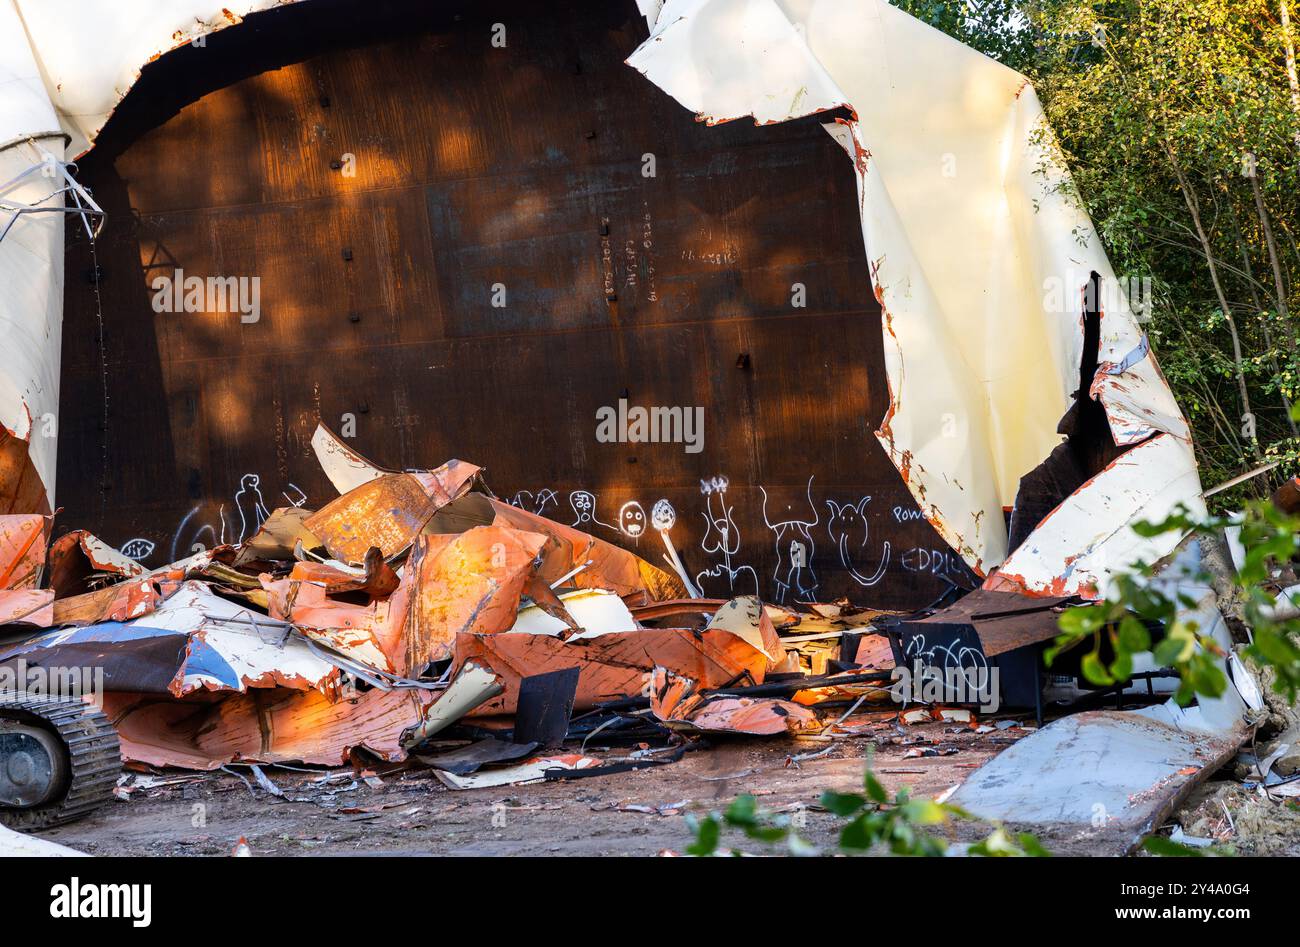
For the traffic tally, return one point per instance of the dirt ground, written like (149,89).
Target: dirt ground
(410,812)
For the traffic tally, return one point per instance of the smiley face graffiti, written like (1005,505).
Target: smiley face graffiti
(631,519)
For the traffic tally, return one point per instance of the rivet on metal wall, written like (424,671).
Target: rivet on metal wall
(742,361)
(347,253)
(354,317)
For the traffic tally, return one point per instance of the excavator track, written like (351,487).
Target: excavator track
(93,758)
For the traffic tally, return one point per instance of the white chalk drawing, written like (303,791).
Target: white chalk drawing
(663,518)
(137,549)
(794,550)
(849,532)
(904,515)
(933,561)
(535,502)
(301,499)
(950,659)
(721,537)
(189,536)
(631,520)
(583,503)
(251,506)
(180,530)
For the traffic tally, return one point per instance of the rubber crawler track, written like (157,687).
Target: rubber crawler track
(94,752)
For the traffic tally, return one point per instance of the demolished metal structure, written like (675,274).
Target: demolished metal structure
(973,402)
(981,371)
(961,263)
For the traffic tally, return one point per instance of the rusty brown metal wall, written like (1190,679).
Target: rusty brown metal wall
(475,166)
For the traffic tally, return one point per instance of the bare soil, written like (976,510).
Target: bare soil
(411,812)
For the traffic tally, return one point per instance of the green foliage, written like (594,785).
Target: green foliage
(1176,120)
(1168,848)
(997,28)
(874,821)
(1270,540)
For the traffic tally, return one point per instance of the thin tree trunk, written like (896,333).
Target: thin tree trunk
(1193,207)
(1259,309)
(1291,70)
(1279,284)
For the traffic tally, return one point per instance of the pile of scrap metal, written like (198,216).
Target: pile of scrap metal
(395,611)
(414,601)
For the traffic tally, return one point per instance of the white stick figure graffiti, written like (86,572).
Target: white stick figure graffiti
(251,506)
(663,518)
(583,503)
(721,537)
(848,530)
(794,550)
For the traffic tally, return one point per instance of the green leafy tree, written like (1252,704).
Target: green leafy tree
(1180,122)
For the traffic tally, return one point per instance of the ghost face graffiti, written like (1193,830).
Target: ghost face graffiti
(662,516)
(849,533)
(631,519)
(584,507)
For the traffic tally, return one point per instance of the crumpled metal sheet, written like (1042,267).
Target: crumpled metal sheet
(207,731)
(1138,769)
(16,845)
(532,770)
(76,558)
(371,634)
(91,54)
(676,701)
(747,619)
(981,365)
(226,649)
(1084,541)
(344,467)
(389,511)
(28,606)
(470,582)
(124,601)
(22,551)
(466,584)
(1111,777)
(599,564)
(278,536)
(614,665)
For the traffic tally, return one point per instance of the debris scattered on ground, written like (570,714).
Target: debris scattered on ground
(418,620)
